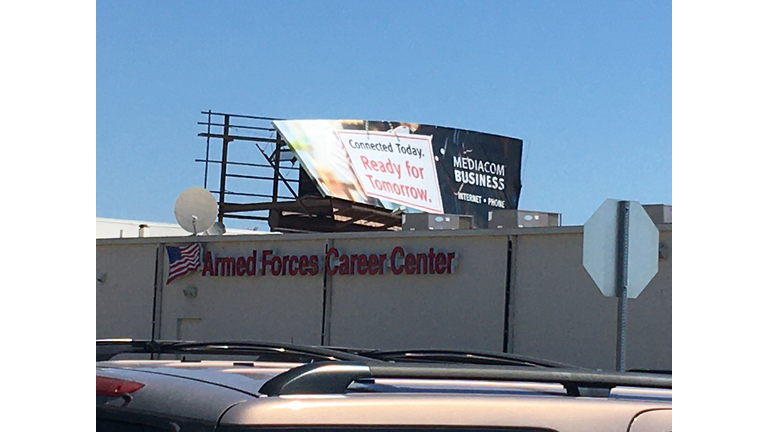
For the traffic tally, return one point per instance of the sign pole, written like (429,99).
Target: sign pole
(622,264)
(610,233)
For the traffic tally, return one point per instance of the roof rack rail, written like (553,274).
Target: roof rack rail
(653,371)
(459,356)
(334,378)
(106,349)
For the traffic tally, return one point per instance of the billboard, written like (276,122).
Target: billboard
(409,166)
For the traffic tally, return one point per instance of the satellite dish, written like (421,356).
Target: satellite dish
(196,209)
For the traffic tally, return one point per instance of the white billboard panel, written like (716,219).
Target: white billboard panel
(398,168)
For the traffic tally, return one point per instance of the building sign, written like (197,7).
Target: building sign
(419,167)
(268,262)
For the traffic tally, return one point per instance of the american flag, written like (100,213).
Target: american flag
(182,260)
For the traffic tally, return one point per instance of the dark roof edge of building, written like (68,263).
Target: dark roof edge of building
(571,229)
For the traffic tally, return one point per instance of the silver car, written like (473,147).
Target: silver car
(248,386)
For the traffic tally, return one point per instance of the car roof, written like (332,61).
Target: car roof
(250,378)
(280,369)
(556,413)
(254,383)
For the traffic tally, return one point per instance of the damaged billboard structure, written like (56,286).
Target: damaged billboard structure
(355,175)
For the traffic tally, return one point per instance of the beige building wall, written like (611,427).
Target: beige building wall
(464,309)
(264,308)
(560,314)
(649,325)
(551,306)
(125,285)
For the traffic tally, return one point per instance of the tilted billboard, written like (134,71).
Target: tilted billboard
(416,167)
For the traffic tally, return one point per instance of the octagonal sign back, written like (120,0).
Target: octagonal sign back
(600,248)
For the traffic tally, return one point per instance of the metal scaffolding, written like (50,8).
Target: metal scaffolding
(253,158)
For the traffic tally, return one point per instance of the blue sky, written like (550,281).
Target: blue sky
(586,85)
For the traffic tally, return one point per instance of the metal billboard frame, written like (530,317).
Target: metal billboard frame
(294,204)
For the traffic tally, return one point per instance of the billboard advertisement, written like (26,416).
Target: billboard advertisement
(409,166)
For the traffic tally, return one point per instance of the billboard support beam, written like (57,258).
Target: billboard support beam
(223,180)
(277,170)
(207,150)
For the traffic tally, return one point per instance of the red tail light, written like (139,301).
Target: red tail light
(115,387)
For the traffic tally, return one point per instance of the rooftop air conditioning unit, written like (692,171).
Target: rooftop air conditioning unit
(522,219)
(430,221)
(659,213)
